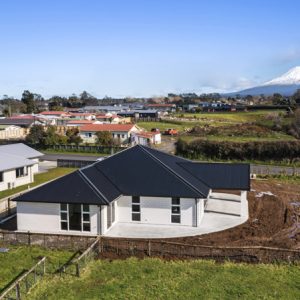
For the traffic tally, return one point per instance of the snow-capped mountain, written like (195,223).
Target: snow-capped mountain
(286,84)
(288,78)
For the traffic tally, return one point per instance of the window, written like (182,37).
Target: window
(123,136)
(136,209)
(175,210)
(1,176)
(75,217)
(20,172)
(88,134)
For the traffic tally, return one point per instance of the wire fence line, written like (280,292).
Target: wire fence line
(25,282)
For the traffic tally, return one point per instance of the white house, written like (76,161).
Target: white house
(120,132)
(137,186)
(18,164)
(146,138)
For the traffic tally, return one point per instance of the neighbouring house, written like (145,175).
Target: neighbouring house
(12,132)
(109,118)
(138,186)
(77,123)
(163,107)
(146,138)
(120,132)
(81,116)
(18,164)
(54,114)
(140,114)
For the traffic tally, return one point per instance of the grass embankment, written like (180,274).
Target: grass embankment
(157,279)
(38,179)
(20,258)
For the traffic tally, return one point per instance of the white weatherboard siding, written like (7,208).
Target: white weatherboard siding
(45,217)
(158,211)
(10,180)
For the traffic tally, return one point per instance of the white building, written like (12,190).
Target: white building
(136,186)
(120,132)
(146,138)
(18,164)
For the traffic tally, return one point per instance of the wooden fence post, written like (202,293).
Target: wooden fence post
(149,248)
(77,270)
(18,295)
(29,238)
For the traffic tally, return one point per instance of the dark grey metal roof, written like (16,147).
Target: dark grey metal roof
(72,188)
(140,171)
(221,175)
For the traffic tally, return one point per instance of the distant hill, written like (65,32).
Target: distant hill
(287,85)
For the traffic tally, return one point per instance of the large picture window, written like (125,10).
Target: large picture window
(136,209)
(75,217)
(175,210)
(20,172)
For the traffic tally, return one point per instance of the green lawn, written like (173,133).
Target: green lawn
(38,179)
(157,279)
(20,258)
(236,117)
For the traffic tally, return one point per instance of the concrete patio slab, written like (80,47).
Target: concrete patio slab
(211,222)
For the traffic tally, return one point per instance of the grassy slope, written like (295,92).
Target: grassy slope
(38,179)
(156,279)
(22,257)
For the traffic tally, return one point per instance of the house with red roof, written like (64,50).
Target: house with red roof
(120,132)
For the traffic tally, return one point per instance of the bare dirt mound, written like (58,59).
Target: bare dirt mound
(274,209)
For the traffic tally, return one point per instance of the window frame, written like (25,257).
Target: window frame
(175,205)
(82,221)
(21,172)
(136,202)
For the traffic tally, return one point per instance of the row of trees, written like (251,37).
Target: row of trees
(43,137)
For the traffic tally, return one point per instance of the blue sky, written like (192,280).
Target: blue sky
(145,47)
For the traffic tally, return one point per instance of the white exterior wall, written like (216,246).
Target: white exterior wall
(9,176)
(45,217)
(157,211)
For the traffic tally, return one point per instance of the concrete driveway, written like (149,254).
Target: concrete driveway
(222,214)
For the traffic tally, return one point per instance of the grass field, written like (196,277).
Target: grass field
(38,179)
(274,136)
(157,279)
(20,258)
(235,117)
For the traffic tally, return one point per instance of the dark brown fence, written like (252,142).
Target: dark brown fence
(122,247)
(141,248)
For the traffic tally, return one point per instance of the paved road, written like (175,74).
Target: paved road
(54,157)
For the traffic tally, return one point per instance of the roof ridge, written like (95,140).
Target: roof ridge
(171,170)
(99,170)
(92,186)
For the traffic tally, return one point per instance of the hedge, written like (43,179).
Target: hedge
(239,151)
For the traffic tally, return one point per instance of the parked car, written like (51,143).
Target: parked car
(171,131)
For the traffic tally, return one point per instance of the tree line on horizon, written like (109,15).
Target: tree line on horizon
(34,103)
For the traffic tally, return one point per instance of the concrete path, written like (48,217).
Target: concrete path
(212,221)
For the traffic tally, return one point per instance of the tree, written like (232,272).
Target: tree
(296,97)
(104,138)
(73,136)
(277,99)
(36,135)
(29,101)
